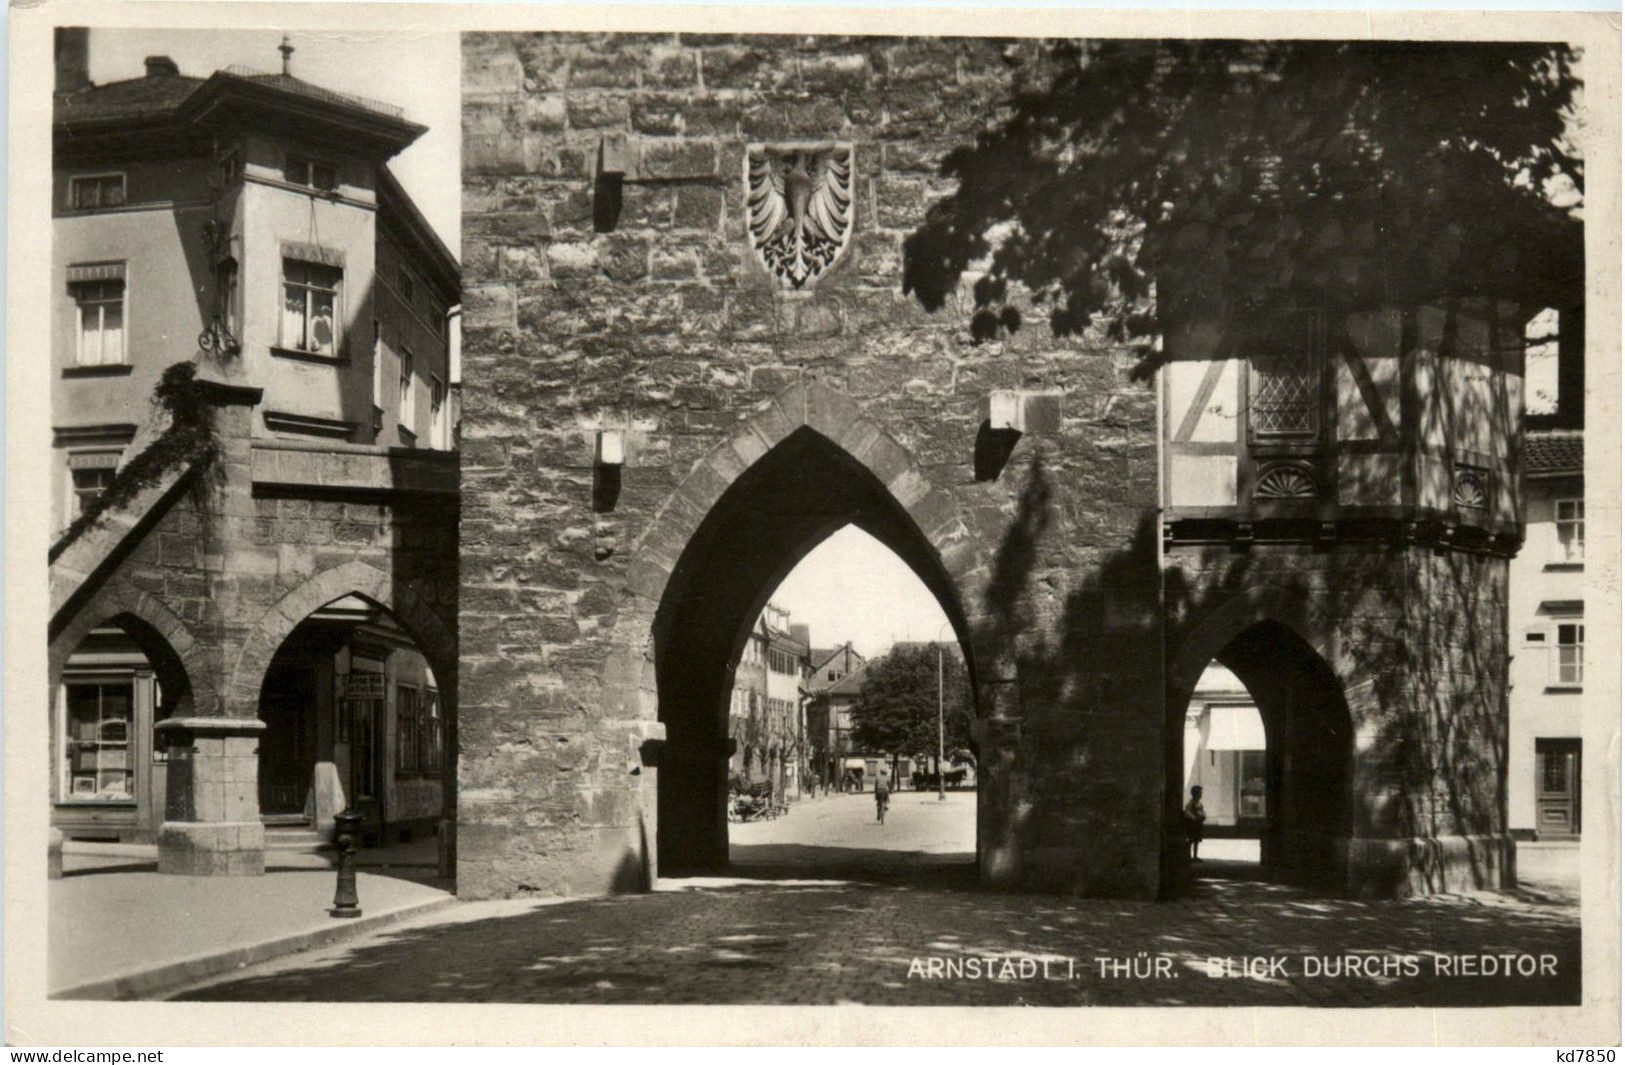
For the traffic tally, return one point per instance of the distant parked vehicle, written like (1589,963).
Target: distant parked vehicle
(925,780)
(755,802)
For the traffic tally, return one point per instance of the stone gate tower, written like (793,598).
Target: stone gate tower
(689,359)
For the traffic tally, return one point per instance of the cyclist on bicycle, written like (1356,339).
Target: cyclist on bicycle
(882,798)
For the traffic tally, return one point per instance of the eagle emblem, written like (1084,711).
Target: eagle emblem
(798,206)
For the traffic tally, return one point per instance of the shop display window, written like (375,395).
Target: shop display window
(96,760)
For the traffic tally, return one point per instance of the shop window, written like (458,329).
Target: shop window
(406,729)
(95,750)
(1571,639)
(100,307)
(95,191)
(308,172)
(310,306)
(1571,530)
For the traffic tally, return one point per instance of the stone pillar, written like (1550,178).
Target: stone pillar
(693,834)
(211,810)
(998,791)
(327,797)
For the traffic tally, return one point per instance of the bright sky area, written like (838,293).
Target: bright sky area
(851,587)
(420,73)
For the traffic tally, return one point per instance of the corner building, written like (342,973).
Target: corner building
(254,491)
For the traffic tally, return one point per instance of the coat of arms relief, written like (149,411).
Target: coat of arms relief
(798,208)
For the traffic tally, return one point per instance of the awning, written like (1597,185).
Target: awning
(1234,728)
(855,763)
(95,272)
(312,253)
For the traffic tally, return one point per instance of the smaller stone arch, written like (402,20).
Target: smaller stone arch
(1280,645)
(437,643)
(116,598)
(1247,608)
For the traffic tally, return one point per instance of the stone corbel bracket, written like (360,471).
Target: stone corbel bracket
(1007,414)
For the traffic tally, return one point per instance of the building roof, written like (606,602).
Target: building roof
(1554,452)
(851,684)
(122,115)
(397,208)
(300,87)
(147,97)
(163,93)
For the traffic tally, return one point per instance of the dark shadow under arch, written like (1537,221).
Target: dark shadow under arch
(1309,758)
(774,513)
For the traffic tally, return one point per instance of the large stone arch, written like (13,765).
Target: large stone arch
(628,674)
(436,642)
(839,418)
(808,426)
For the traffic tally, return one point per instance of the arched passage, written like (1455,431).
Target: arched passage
(772,514)
(1308,756)
(351,578)
(116,675)
(355,716)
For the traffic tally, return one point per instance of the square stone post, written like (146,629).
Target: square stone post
(212,810)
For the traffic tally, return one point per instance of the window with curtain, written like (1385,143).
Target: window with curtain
(431,735)
(100,308)
(310,306)
(96,190)
(94,749)
(406,393)
(406,728)
(1571,530)
(1571,639)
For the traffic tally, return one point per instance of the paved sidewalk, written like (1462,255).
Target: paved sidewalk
(117,933)
(832,909)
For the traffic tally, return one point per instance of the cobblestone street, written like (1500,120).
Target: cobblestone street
(828,907)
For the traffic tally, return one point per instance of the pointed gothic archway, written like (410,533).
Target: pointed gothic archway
(1308,749)
(816,464)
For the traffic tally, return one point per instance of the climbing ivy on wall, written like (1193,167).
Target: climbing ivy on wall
(189,439)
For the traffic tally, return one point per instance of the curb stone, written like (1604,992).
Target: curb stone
(162,979)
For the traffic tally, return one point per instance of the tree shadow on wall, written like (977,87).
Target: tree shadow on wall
(1420,663)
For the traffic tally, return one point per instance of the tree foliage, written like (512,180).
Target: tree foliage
(896,712)
(1150,181)
(190,438)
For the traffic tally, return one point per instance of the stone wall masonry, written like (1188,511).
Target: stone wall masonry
(221,572)
(666,328)
(1416,636)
